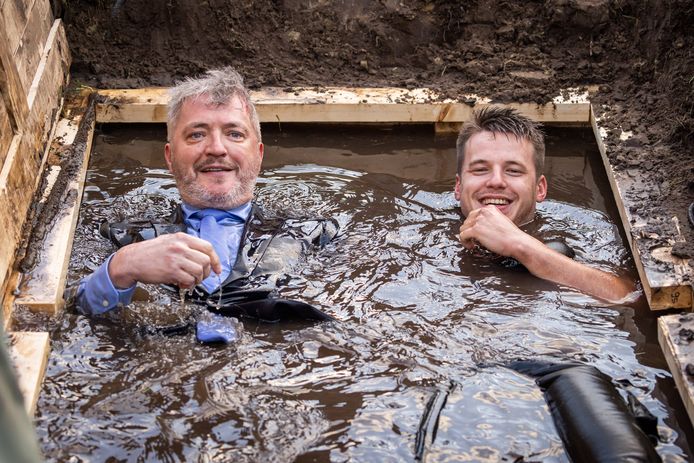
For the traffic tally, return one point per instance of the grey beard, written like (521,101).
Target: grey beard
(197,196)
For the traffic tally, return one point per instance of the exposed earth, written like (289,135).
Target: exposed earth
(635,55)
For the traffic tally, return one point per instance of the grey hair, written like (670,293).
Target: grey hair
(507,121)
(219,85)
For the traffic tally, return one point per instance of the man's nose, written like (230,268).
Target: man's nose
(496,178)
(215,144)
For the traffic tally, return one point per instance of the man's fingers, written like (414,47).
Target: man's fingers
(190,259)
(216,264)
(465,238)
(176,258)
(202,264)
(185,282)
(468,244)
(205,248)
(191,273)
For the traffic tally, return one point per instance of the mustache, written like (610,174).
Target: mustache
(215,162)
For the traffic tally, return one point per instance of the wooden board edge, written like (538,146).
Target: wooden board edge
(617,194)
(29,352)
(678,371)
(671,297)
(47,294)
(9,243)
(52,48)
(670,294)
(335,105)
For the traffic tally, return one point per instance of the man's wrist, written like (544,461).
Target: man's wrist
(526,250)
(118,271)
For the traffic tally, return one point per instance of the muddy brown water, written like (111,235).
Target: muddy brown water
(415,315)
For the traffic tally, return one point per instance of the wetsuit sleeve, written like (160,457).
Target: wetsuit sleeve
(97,295)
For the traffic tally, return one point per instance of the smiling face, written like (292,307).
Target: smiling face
(214,153)
(499,170)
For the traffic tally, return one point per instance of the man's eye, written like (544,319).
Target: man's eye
(479,170)
(236,135)
(514,172)
(196,135)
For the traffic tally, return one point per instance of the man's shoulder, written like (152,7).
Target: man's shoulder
(123,233)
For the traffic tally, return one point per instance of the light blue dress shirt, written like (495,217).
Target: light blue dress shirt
(96,293)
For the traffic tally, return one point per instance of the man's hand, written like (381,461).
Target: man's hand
(491,229)
(178,259)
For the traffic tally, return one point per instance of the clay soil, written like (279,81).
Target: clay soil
(636,56)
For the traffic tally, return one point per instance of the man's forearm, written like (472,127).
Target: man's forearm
(548,264)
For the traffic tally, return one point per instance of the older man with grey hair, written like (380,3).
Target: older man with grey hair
(214,152)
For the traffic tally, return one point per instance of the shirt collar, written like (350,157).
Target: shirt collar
(242,211)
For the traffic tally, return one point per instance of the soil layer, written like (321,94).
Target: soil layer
(636,56)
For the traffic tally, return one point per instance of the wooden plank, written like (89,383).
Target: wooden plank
(340,105)
(6,132)
(8,300)
(11,89)
(19,175)
(29,353)
(33,38)
(52,70)
(14,17)
(675,335)
(665,278)
(44,285)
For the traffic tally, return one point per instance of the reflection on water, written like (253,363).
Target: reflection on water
(415,315)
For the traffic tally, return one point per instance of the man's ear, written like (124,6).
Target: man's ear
(457,187)
(167,156)
(541,189)
(261,149)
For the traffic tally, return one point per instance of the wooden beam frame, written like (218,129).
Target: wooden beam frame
(664,289)
(343,105)
(43,287)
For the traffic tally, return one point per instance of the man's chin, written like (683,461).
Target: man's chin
(217,201)
(525,219)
